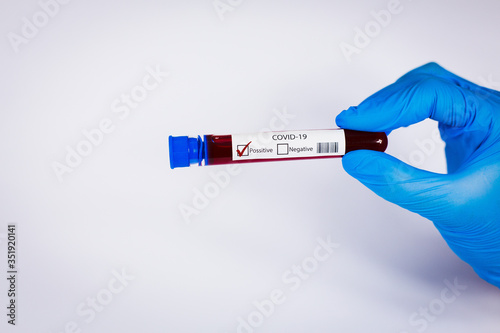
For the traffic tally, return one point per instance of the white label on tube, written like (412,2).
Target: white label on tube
(288,144)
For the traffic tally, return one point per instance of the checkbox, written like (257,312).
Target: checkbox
(242,148)
(282,148)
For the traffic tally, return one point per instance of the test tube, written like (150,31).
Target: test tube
(270,146)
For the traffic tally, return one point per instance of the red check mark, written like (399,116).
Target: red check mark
(240,153)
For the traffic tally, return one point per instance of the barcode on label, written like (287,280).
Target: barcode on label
(327,147)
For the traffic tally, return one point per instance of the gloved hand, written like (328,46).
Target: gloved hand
(463,204)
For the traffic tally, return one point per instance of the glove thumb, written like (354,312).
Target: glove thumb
(417,190)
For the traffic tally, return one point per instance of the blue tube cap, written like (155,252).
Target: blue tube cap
(184,151)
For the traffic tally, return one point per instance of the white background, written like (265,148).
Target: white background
(119,209)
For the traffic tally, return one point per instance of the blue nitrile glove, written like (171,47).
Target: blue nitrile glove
(463,204)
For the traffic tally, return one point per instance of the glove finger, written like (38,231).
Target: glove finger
(419,191)
(426,92)
(435,70)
